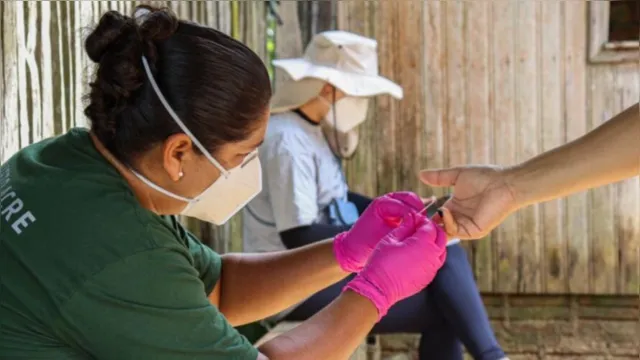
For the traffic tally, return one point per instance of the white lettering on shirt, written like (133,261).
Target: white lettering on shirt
(12,207)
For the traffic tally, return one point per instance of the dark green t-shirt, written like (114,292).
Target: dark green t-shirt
(86,272)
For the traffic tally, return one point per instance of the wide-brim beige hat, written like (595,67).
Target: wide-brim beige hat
(345,60)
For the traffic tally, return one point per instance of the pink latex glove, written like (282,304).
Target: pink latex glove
(352,248)
(402,264)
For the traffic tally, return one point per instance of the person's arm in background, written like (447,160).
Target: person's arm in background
(308,234)
(485,195)
(360,201)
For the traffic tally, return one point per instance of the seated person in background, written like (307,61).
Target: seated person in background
(305,196)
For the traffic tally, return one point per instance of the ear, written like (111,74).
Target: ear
(176,149)
(327,91)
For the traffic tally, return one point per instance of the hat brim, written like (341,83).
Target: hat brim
(291,94)
(352,84)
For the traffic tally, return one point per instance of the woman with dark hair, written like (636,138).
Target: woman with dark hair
(94,264)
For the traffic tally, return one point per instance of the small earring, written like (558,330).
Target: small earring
(180,174)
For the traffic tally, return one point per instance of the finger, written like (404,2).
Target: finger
(450,224)
(431,233)
(409,198)
(406,227)
(392,211)
(440,177)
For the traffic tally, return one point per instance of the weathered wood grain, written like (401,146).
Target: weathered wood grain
(484,82)
(627,196)
(604,102)
(551,134)
(478,115)
(527,109)
(575,84)
(505,134)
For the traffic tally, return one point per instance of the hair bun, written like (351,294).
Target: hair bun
(155,24)
(112,27)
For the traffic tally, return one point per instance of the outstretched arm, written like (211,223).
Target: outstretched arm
(483,196)
(609,153)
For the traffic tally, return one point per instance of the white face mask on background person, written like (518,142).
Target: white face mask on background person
(225,196)
(347,113)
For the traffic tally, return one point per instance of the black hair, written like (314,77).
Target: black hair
(216,85)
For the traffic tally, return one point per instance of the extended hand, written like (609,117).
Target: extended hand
(482,199)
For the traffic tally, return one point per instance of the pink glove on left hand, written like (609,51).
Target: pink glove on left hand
(353,248)
(402,264)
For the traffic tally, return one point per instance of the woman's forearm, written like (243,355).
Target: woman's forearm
(255,286)
(607,154)
(332,333)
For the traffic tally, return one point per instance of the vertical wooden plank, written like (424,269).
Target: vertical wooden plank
(58,70)
(183,9)
(80,17)
(358,16)
(254,27)
(10,107)
(455,122)
(224,17)
(406,49)
(504,134)
(605,102)
(477,114)
(550,74)
(288,36)
(211,18)
(434,88)
(457,136)
(21,37)
(46,58)
(31,101)
(575,115)
(385,35)
(3,132)
(627,196)
(529,257)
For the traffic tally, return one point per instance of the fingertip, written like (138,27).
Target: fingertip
(408,198)
(437,219)
(450,225)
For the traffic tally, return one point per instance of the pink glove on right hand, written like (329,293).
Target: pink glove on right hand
(403,263)
(353,248)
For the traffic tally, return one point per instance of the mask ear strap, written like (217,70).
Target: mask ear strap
(175,117)
(335,124)
(159,189)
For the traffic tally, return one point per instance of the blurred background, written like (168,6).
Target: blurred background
(485,82)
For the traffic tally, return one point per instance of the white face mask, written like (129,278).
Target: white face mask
(229,193)
(347,113)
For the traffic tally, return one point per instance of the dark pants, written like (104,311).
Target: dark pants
(448,311)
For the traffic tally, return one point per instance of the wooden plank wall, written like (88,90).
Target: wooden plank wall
(500,81)
(484,82)
(45,71)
